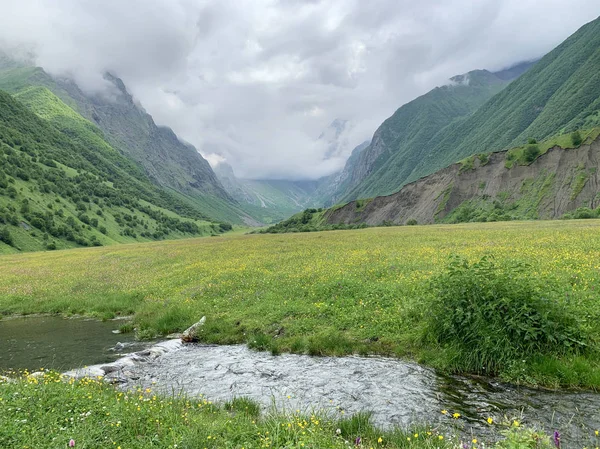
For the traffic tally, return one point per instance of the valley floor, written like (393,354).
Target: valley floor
(338,292)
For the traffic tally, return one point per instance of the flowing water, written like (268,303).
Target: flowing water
(56,343)
(396,392)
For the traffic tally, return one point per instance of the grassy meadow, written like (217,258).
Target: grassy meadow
(364,291)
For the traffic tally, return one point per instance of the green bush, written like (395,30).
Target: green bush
(576,138)
(6,237)
(490,316)
(531,152)
(411,222)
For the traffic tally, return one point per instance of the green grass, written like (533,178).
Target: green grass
(338,292)
(47,412)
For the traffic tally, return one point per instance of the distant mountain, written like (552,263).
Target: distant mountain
(330,188)
(168,161)
(400,143)
(333,137)
(274,200)
(62,185)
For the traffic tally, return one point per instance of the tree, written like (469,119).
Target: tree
(576,138)
(6,237)
(531,153)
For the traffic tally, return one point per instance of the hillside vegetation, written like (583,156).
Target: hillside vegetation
(62,185)
(126,127)
(366,291)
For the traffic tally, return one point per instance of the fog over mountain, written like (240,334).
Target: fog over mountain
(257,82)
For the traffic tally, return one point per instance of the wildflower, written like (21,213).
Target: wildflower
(380,440)
(456,415)
(357,441)
(338,431)
(490,420)
(557,439)
(474,440)
(596,432)
(516,423)
(441,437)
(71,442)
(444,412)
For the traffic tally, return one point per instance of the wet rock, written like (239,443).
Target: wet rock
(109,368)
(190,335)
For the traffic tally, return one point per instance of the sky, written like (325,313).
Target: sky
(255,83)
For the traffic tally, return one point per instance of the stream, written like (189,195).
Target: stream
(395,391)
(56,343)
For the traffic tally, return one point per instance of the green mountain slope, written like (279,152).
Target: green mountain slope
(62,185)
(165,159)
(558,94)
(401,141)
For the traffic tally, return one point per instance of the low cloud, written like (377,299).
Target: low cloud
(257,82)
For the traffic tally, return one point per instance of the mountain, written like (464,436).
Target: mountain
(330,188)
(274,200)
(125,125)
(557,178)
(62,185)
(400,142)
(492,187)
(560,93)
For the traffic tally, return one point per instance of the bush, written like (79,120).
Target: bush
(576,138)
(6,237)
(411,222)
(531,152)
(490,316)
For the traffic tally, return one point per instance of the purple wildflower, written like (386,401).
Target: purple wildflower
(71,442)
(557,439)
(357,441)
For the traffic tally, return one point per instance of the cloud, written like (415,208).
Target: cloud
(255,82)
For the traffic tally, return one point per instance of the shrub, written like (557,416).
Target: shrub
(412,222)
(490,316)
(6,237)
(576,138)
(531,152)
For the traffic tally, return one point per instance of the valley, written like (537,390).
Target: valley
(173,286)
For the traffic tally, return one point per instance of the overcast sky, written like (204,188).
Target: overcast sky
(256,82)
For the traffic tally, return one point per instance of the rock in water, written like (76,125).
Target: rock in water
(190,335)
